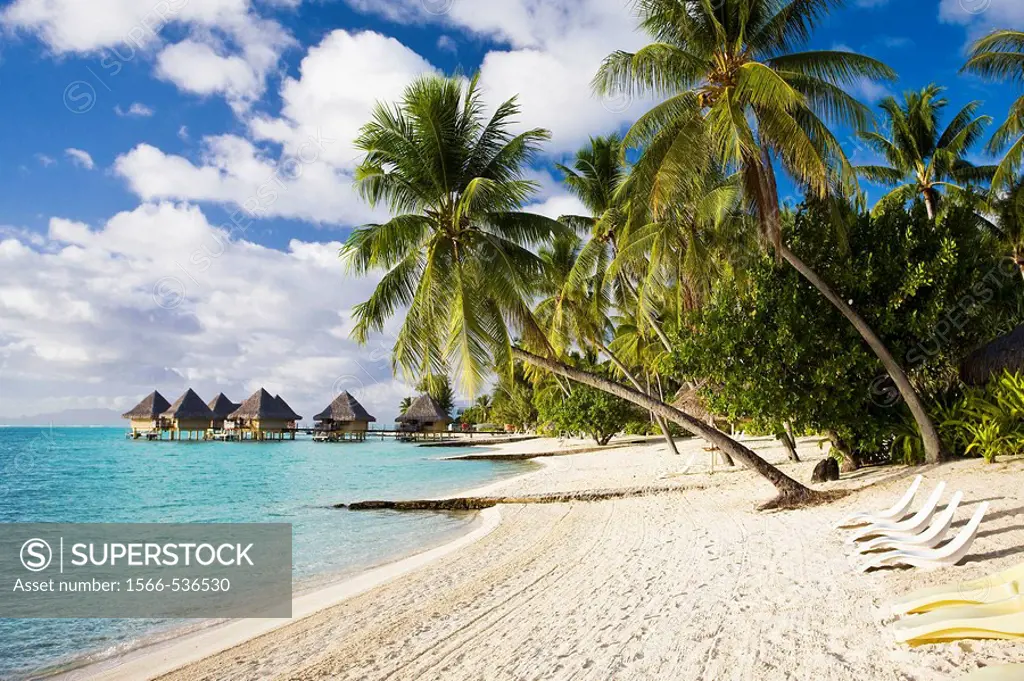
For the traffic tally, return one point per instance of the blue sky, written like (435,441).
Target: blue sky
(136,129)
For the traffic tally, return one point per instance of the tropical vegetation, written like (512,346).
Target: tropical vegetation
(922,159)
(685,273)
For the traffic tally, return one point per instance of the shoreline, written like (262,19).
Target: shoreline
(168,655)
(178,645)
(690,582)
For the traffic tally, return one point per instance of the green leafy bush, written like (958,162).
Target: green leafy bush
(769,348)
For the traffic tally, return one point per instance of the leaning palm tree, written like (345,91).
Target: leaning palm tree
(922,160)
(457,255)
(574,316)
(585,292)
(740,100)
(404,405)
(1000,56)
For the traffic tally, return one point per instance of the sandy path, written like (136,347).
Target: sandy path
(692,584)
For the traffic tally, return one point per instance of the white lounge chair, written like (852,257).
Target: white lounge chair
(928,539)
(915,523)
(990,589)
(1002,620)
(929,559)
(897,512)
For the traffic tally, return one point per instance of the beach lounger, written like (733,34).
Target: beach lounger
(991,589)
(915,523)
(929,559)
(929,538)
(897,512)
(1003,620)
(1010,672)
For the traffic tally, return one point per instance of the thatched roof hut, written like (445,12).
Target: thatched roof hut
(149,409)
(263,417)
(426,413)
(287,409)
(189,407)
(222,407)
(1004,353)
(263,406)
(345,409)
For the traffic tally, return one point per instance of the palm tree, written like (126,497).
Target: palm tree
(585,291)
(404,405)
(921,159)
(457,254)
(572,316)
(740,100)
(483,404)
(1000,56)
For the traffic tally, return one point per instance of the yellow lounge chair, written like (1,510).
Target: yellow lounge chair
(1003,620)
(991,589)
(1011,672)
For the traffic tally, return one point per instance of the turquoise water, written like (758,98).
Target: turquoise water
(96,475)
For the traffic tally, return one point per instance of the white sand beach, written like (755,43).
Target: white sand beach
(687,584)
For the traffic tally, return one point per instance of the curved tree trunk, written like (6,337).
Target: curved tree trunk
(934,450)
(851,461)
(636,384)
(790,491)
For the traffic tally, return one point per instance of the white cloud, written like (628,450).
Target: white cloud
(982,15)
(339,82)
(240,46)
(555,48)
(45,161)
(233,171)
(159,297)
(447,44)
(82,27)
(136,110)
(183,133)
(235,68)
(80,158)
(198,68)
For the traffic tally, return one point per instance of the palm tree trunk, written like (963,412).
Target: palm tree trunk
(934,450)
(930,198)
(792,441)
(790,491)
(636,384)
(851,461)
(783,437)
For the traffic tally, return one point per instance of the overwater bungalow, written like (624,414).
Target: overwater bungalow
(343,419)
(189,415)
(263,417)
(294,418)
(146,417)
(221,407)
(424,415)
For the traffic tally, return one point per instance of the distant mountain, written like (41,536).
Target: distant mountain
(68,417)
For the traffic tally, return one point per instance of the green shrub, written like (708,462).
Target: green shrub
(987,422)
